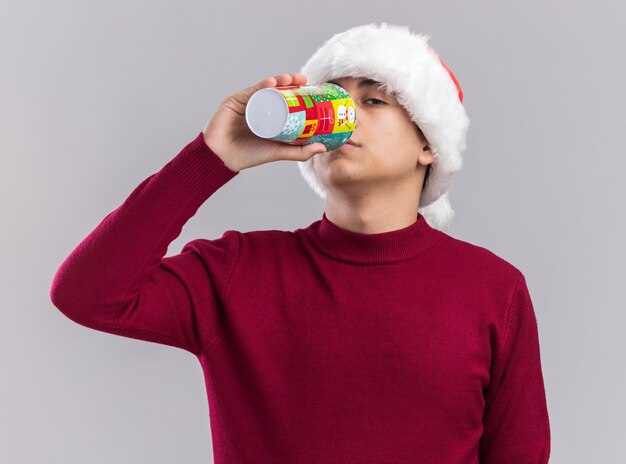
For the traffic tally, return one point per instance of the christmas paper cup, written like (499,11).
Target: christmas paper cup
(300,115)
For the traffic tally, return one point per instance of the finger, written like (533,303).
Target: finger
(244,96)
(283,79)
(308,151)
(299,153)
(314,148)
(280,79)
(299,79)
(291,79)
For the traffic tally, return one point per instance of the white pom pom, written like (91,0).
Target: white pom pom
(438,214)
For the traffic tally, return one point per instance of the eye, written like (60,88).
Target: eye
(380,102)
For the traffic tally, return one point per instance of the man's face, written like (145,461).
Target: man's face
(391,147)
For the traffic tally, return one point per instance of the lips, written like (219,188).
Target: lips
(352,142)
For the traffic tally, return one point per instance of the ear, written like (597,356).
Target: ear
(425,157)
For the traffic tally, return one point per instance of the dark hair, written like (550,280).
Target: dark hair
(423,137)
(426,176)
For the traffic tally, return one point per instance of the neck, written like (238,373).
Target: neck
(371,214)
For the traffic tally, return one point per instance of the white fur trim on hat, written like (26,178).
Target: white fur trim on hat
(408,66)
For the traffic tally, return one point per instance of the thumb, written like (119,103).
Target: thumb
(310,150)
(300,152)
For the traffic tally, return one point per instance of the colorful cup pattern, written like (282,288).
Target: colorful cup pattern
(321,113)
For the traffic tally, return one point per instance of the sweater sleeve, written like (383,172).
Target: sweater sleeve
(516,424)
(117,279)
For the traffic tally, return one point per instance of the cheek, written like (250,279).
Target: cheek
(395,150)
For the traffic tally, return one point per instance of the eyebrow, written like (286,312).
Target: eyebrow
(363,83)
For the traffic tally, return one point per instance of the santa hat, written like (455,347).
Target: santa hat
(407,65)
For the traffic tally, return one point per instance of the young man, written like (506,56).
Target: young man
(369,336)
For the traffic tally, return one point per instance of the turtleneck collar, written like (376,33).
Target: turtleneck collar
(377,248)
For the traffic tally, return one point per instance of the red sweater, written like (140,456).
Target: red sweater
(321,345)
